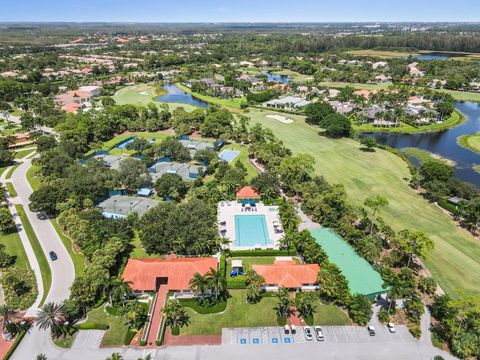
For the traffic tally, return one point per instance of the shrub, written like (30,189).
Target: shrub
(383,315)
(203,310)
(447,206)
(175,330)
(415,331)
(246,253)
(92,326)
(129,337)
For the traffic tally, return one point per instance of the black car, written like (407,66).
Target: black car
(53,255)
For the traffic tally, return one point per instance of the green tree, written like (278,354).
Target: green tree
(115,356)
(414,244)
(172,186)
(133,174)
(175,315)
(306,303)
(284,303)
(216,282)
(333,285)
(199,284)
(360,309)
(369,142)
(51,317)
(254,282)
(7,225)
(375,204)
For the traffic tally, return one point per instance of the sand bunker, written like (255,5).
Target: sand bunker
(281,118)
(143,93)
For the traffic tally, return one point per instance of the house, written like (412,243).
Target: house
(147,275)
(341,107)
(379,64)
(383,78)
(247,194)
(286,273)
(93,90)
(72,101)
(288,103)
(366,94)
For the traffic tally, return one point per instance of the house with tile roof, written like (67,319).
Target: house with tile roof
(286,273)
(247,194)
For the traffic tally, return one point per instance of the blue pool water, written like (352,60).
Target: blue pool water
(228,155)
(251,230)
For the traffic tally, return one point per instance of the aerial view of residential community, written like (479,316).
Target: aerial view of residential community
(239,179)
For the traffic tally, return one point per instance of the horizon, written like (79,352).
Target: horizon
(249,11)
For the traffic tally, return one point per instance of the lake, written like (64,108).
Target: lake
(437,56)
(285,79)
(177,95)
(444,142)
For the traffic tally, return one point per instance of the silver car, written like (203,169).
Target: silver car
(307,330)
(319,333)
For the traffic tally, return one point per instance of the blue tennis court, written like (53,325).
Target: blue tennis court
(228,155)
(251,230)
(123,144)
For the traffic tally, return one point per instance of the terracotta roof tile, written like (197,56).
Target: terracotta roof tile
(288,275)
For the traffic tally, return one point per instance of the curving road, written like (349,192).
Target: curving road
(63,271)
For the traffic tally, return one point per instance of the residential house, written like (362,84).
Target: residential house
(288,103)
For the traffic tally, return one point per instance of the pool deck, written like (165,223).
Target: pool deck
(227,210)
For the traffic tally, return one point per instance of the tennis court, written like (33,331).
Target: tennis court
(228,155)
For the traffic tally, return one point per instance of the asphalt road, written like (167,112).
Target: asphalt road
(63,272)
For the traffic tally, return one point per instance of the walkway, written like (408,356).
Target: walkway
(157,315)
(306,223)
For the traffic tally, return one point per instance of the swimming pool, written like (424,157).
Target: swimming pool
(251,230)
(228,155)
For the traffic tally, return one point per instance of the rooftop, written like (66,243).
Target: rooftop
(288,274)
(119,206)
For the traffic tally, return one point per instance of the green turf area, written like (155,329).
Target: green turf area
(455,261)
(138,251)
(142,94)
(65,342)
(10,172)
(424,155)
(37,249)
(22,153)
(13,246)
(232,104)
(237,314)
(11,189)
(470,142)
(295,76)
(115,335)
(361,277)
(32,177)
(77,257)
(455,119)
(330,315)
(384,54)
(242,157)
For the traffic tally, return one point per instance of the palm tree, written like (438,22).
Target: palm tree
(51,316)
(41,357)
(284,305)
(199,284)
(216,282)
(254,282)
(115,356)
(119,290)
(7,313)
(175,314)
(306,303)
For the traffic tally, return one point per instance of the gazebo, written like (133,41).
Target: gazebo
(248,195)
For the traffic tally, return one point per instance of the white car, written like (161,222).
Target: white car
(371,330)
(319,333)
(308,333)
(287,329)
(294,329)
(391,327)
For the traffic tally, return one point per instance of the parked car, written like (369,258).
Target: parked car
(53,255)
(287,329)
(294,329)
(391,327)
(307,330)
(371,330)
(319,333)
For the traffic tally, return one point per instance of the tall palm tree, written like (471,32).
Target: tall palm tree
(119,290)
(199,284)
(284,304)
(175,314)
(8,324)
(51,316)
(216,282)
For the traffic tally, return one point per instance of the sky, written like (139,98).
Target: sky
(239,10)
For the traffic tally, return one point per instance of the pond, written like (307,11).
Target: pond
(444,143)
(285,79)
(177,95)
(437,56)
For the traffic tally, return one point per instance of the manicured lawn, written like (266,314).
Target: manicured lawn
(11,189)
(455,261)
(295,76)
(65,342)
(142,94)
(37,248)
(14,247)
(10,172)
(115,335)
(232,104)
(330,315)
(242,157)
(22,153)
(385,54)
(237,314)
(455,119)
(248,261)
(32,177)
(77,257)
(138,251)
(470,142)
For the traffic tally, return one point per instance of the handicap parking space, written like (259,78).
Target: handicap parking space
(335,334)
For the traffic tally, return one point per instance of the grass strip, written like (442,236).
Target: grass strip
(37,249)
(77,257)
(10,172)
(11,189)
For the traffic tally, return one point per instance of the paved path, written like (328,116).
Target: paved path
(306,223)
(63,272)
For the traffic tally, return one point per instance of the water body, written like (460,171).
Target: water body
(444,142)
(285,79)
(177,95)
(437,56)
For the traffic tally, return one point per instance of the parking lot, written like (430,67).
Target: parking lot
(336,334)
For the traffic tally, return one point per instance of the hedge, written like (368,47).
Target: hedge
(128,337)
(17,342)
(92,326)
(447,206)
(240,253)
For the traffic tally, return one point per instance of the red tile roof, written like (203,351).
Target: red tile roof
(71,108)
(247,192)
(142,273)
(288,275)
